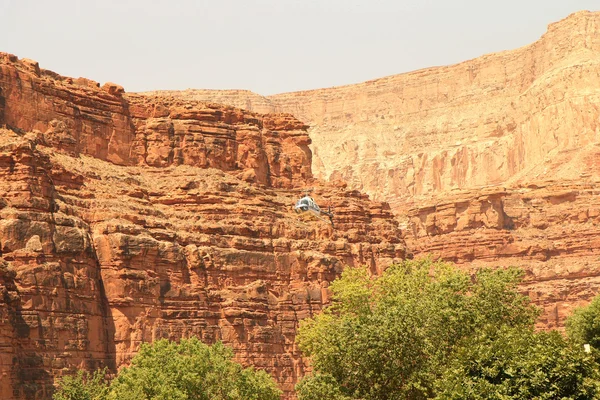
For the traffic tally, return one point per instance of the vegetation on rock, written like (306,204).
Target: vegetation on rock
(421,330)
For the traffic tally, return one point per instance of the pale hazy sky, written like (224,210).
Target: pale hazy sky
(267,46)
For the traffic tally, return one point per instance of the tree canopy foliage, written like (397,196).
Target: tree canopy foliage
(164,370)
(83,386)
(584,325)
(422,329)
(519,364)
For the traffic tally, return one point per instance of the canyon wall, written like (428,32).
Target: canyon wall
(550,229)
(130,217)
(494,161)
(495,120)
(127,218)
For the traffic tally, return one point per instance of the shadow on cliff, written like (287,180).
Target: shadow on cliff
(32,380)
(87,253)
(108,324)
(2,106)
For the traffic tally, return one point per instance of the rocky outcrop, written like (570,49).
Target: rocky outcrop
(270,150)
(125,218)
(130,217)
(78,116)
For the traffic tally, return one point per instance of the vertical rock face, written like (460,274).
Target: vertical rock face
(271,150)
(53,306)
(125,219)
(80,117)
(493,161)
(130,217)
(497,119)
(493,120)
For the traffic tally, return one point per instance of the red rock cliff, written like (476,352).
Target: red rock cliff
(128,218)
(518,115)
(491,161)
(79,116)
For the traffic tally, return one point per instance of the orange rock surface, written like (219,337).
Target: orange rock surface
(129,217)
(530,113)
(493,161)
(491,120)
(550,229)
(126,218)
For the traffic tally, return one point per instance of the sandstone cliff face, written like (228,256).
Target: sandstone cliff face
(493,120)
(129,217)
(497,119)
(125,218)
(494,161)
(550,229)
(79,117)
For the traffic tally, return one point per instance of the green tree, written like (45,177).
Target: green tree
(519,364)
(319,387)
(391,337)
(190,370)
(584,325)
(164,370)
(83,386)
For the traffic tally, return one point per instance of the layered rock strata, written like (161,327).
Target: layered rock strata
(124,219)
(80,117)
(493,161)
(525,114)
(550,229)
